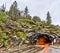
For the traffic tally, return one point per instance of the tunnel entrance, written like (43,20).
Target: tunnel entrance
(40,39)
(43,40)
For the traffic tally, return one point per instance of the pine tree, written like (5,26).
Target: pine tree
(26,11)
(14,12)
(48,18)
(3,8)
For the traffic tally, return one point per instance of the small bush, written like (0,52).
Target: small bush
(6,43)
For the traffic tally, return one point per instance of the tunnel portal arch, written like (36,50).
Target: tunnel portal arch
(36,37)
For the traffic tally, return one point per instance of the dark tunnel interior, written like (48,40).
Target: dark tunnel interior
(44,39)
(40,39)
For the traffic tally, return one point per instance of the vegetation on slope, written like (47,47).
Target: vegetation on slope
(16,24)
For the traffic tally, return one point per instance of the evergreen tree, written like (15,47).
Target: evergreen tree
(26,11)
(14,12)
(48,18)
(3,8)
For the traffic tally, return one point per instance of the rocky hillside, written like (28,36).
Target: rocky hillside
(15,25)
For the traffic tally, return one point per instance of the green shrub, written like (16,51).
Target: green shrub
(6,43)
(3,36)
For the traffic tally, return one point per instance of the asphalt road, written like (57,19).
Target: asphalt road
(50,50)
